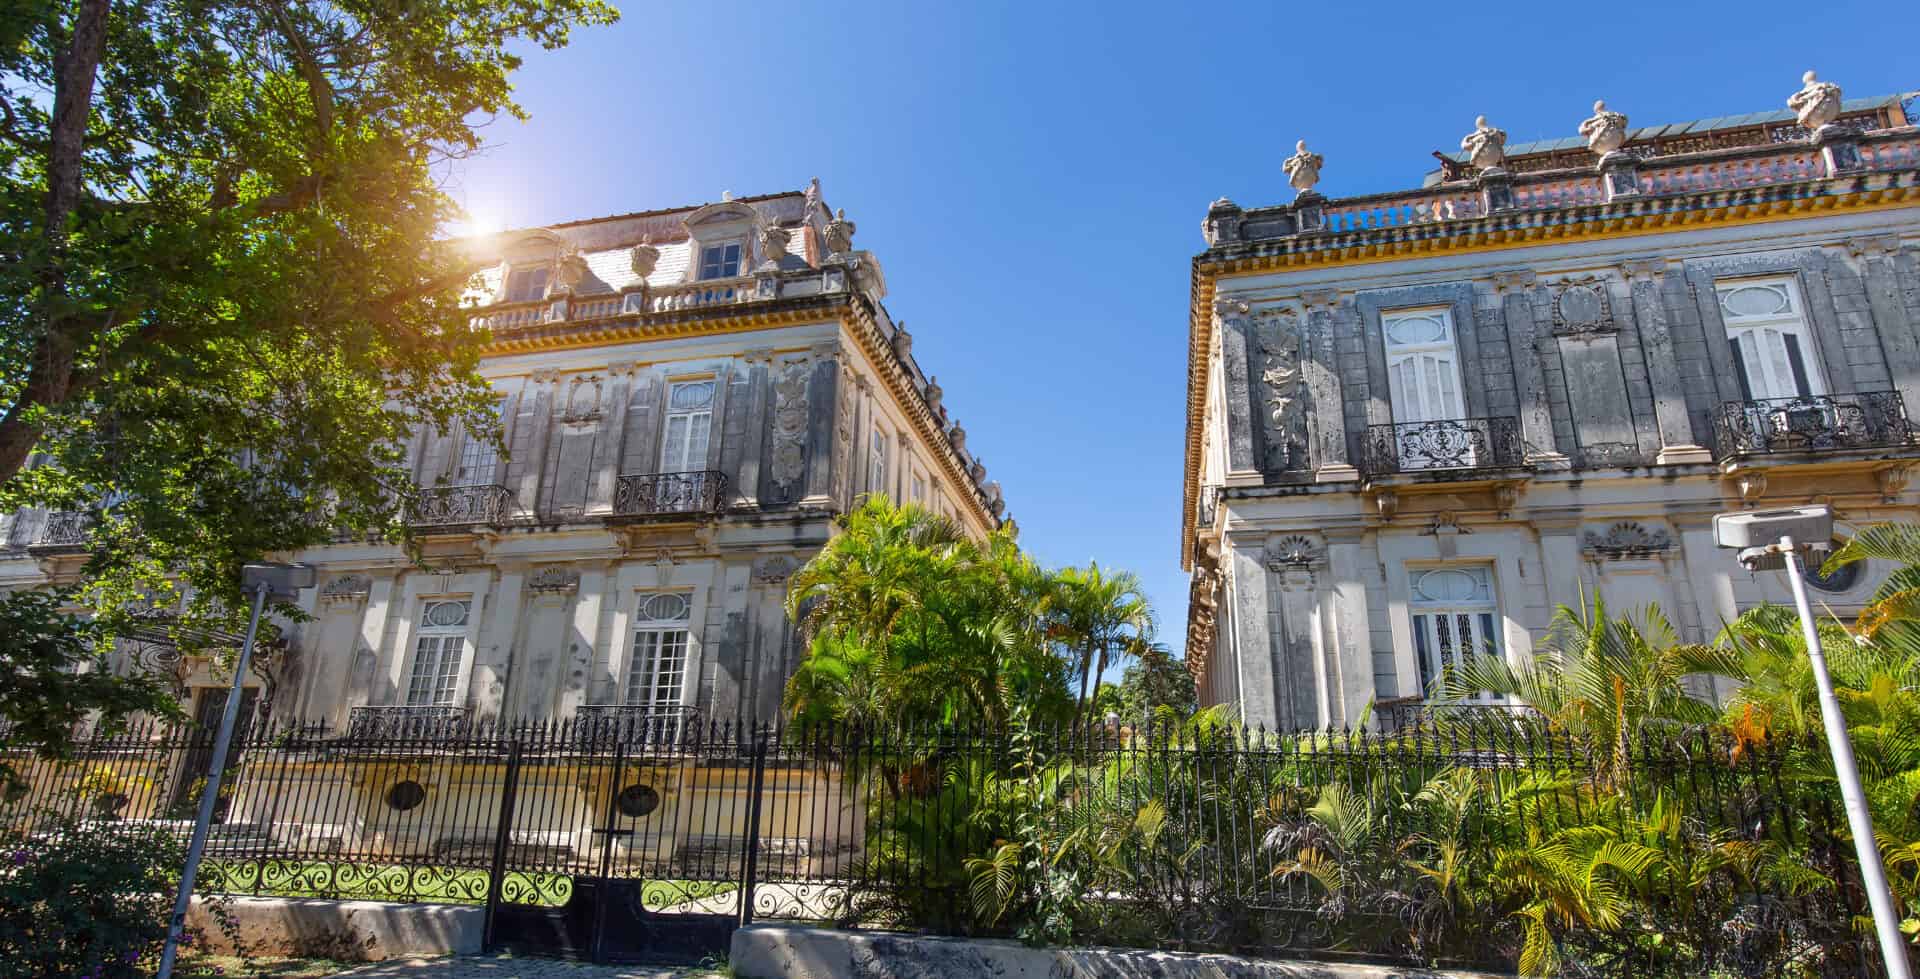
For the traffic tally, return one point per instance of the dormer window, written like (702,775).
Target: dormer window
(721,261)
(525,285)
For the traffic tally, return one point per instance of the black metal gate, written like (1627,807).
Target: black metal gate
(664,875)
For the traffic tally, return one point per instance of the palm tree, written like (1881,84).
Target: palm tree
(1095,615)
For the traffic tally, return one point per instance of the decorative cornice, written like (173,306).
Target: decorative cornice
(1624,219)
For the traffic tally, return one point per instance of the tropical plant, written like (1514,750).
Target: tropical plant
(1094,615)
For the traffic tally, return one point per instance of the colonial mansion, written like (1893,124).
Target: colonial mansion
(689,397)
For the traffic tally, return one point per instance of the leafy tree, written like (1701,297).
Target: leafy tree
(224,297)
(1094,615)
(1156,681)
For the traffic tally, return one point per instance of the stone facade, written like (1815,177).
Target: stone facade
(1418,423)
(689,397)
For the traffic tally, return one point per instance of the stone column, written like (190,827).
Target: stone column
(1876,255)
(824,394)
(540,429)
(1252,639)
(538,679)
(1562,565)
(753,450)
(341,606)
(1709,572)
(364,677)
(1351,628)
(1529,381)
(1326,404)
(493,654)
(1677,443)
(576,683)
(1306,673)
(606,471)
(1235,329)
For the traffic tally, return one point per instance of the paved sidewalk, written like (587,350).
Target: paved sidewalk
(506,967)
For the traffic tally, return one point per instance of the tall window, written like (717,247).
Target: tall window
(1454,618)
(524,285)
(877,462)
(1423,367)
(479,456)
(689,421)
(658,668)
(1772,347)
(919,489)
(721,261)
(438,653)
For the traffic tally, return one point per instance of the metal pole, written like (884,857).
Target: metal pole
(1893,945)
(211,795)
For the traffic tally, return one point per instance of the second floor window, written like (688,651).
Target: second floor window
(479,457)
(877,463)
(439,652)
(721,261)
(1423,367)
(525,285)
(919,490)
(658,668)
(1767,329)
(683,446)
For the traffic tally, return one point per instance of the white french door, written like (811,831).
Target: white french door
(1423,383)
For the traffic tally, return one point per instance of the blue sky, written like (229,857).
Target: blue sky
(1033,176)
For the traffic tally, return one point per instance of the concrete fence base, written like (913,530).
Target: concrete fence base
(352,931)
(782,952)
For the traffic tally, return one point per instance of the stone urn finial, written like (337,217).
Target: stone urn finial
(902,342)
(568,273)
(1817,103)
(839,234)
(1605,130)
(1486,147)
(958,436)
(1303,168)
(933,394)
(644,257)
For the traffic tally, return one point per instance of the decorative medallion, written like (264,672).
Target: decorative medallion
(1292,551)
(345,589)
(1627,539)
(772,569)
(1581,309)
(554,580)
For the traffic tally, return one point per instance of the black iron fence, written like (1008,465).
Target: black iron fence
(1863,420)
(1442,446)
(1476,837)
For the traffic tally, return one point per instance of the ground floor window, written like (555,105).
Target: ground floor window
(1454,618)
(657,670)
(438,653)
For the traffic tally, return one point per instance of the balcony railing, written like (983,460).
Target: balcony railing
(653,495)
(1440,446)
(1865,420)
(635,725)
(406,722)
(64,530)
(462,506)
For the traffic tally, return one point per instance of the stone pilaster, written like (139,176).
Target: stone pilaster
(576,682)
(1562,565)
(1252,635)
(823,399)
(1350,631)
(541,386)
(758,365)
(606,471)
(1877,256)
(1235,330)
(1677,443)
(493,654)
(1304,672)
(1326,404)
(363,678)
(1530,382)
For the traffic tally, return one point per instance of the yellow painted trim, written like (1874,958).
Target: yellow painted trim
(1207,275)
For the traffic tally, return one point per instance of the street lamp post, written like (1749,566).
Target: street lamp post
(262,581)
(1777,540)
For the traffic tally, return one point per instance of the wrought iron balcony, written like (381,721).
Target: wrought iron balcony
(635,725)
(64,530)
(408,721)
(664,495)
(462,506)
(1440,446)
(1864,420)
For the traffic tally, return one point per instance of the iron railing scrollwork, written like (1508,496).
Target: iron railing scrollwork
(635,724)
(1815,423)
(64,529)
(642,495)
(462,506)
(1448,445)
(406,721)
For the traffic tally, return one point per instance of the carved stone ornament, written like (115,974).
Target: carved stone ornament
(902,342)
(1279,339)
(1486,147)
(644,258)
(773,246)
(958,436)
(346,588)
(583,399)
(772,569)
(568,273)
(1386,503)
(839,234)
(1817,103)
(1223,222)
(1605,131)
(1303,167)
(1893,481)
(934,393)
(843,436)
(789,426)
(1627,539)
(554,580)
(1581,308)
(1292,550)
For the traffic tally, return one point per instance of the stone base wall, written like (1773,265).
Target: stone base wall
(781,952)
(363,931)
